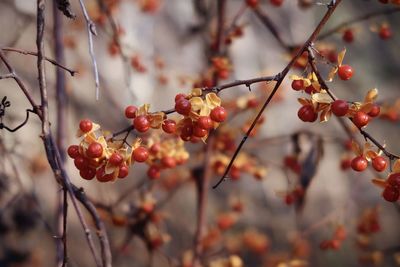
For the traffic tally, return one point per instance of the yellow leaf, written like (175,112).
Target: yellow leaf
(295,77)
(371,95)
(396,166)
(197,92)
(325,115)
(322,97)
(341,56)
(332,73)
(303,101)
(213,100)
(196,103)
(205,110)
(370,154)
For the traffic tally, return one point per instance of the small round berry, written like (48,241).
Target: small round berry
(87,173)
(310,89)
(360,119)
(375,110)
(101,175)
(73,151)
(116,159)
(140,154)
(345,72)
(153,172)
(168,162)
(199,132)
(307,114)
(394,180)
(155,148)
(298,85)
(359,164)
(218,114)
(385,32)
(80,162)
(94,150)
(340,107)
(205,122)
(130,112)
(179,97)
(345,164)
(391,194)
(85,125)
(123,171)
(141,123)
(348,36)
(276,2)
(252,103)
(379,163)
(183,107)
(252,3)
(169,126)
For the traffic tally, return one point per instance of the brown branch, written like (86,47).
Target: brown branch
(365,134)
(52,61)
(331,8)
(358,19)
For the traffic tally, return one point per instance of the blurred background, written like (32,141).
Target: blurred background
(148,51)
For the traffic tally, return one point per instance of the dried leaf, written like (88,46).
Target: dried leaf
(396,166)
(371,95)
(322,97)
(341,56)
(379,183)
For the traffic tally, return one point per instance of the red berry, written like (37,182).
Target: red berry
(187,128)
(179,97)
(87,173)
(116,159)
(345,164)
(204,122)
(360,119)
(218,114)
(130,112)
(310,89)
(391,194)
(385,32)
(169,126)
(199,132)
(345,72)
(153,172)
(168,162)
(394,180)
(306,113)
(252,103)
(183,106)
(123,171)
(379,163)
(101,176)
(298,85)
(348,36)
(276,2)
(252,3)
(85,125)
(73,151)
(155,148)
(141,123)
(94,150)
(80,162)
(140,154)
(374,111)
(359,164)
(340,107)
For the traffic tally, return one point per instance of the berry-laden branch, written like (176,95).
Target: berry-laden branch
(365,134)
(331,8)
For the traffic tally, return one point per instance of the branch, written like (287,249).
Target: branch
(91,30)
(65,7)
(52,61)
(281,77)
(358,19)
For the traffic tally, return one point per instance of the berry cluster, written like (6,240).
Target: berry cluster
(336,241)
(366,154)
(221,67)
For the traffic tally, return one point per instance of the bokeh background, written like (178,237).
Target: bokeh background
(28,192)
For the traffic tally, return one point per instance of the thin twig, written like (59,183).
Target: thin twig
(358,19)
(52,61)
(91,30)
